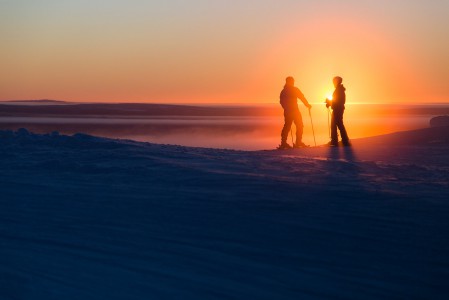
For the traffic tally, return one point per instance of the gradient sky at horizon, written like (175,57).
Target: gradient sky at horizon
(198,51)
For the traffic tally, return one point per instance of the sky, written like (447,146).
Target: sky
(223,51)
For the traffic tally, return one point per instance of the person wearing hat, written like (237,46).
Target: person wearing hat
(338,108)
(289,103)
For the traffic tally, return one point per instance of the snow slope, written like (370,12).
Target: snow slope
(83,217)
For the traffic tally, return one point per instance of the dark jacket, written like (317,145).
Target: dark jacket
(339,98)
(289,96)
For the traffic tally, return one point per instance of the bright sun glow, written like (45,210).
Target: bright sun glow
(329,96)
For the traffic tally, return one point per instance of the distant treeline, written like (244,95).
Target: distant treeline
(134,109)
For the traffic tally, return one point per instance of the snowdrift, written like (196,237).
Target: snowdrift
(440,121)
(83,217)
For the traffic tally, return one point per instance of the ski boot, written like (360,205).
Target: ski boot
(284,146)
(332,144)
(300,145)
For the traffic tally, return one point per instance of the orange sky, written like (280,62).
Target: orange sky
(226,51)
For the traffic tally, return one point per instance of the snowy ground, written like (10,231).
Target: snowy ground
(92,218)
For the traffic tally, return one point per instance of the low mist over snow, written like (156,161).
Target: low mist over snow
(83,217)
(242,127)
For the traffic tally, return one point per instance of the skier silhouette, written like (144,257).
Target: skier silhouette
(288,100)
(338,108)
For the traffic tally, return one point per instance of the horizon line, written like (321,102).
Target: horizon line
(209,103)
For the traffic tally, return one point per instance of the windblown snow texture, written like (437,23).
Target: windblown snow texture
(92,218)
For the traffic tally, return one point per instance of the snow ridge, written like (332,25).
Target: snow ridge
(88,217)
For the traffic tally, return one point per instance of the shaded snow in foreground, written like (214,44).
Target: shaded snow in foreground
(91,218)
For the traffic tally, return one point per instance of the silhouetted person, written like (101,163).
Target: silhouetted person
(288,100)
(338,108)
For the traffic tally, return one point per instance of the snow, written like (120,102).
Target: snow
(83,217)
(439,121)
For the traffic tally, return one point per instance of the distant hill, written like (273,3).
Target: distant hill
(36,101)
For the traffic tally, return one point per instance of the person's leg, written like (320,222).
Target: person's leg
(334,136)
(299,128)
(341,127)
(288,120)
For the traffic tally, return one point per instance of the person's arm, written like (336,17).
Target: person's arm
(303,99)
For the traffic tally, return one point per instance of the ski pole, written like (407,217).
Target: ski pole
(313,131)
(328,123)
(291,134)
